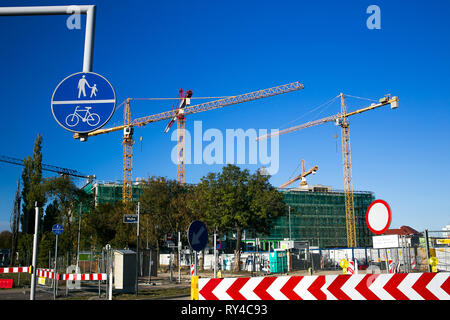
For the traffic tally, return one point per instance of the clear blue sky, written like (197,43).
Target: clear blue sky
(152,48)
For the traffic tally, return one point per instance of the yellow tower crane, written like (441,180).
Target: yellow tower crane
(301,176)
(128,126)
(341,119)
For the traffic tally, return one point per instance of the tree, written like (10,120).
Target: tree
(68,200)
(32,191)
(51,216)
(102,222)
(235,200)
(163,209)
(5,239)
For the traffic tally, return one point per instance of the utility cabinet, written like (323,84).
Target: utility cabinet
(125,270)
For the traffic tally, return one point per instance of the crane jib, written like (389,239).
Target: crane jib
(221,103)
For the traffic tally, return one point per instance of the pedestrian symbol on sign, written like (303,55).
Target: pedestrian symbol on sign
(83,102)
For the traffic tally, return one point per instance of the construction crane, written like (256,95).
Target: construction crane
(47,167)
(302,176)
(128,126)
(341,119)
(184,100)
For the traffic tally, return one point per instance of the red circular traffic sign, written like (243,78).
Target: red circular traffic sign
(378,216)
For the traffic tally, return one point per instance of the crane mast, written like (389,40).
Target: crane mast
(348,183)
(127,144)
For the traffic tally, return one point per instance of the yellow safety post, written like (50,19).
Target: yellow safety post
(344,265)
(433,261)
(194,287)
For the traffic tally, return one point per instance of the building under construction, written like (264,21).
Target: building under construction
(316,214)
(111,192)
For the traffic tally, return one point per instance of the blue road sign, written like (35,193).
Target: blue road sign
(57,229)
(197,235)
(83,102)
(130,218)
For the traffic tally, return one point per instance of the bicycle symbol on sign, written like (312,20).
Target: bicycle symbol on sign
(92,119)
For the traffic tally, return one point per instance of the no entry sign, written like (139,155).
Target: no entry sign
(378,216)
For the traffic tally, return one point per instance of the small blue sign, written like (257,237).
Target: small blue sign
(83,102)
(57,229)
(197,235)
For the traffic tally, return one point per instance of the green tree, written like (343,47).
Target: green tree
(5,239)
(46,248)
(32,191)
(163,209)
(51,216)
(235,200)
(101,224)
(68,201)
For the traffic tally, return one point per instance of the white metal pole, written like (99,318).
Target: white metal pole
(179,257)
(89,10)
(89,39)
(215,254)
(78,243)
(110,274)
(35,252)
(56,270)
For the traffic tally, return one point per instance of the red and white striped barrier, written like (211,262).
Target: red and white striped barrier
(84,276)
(47,273)
(15,270)
(396,286)
(50,274)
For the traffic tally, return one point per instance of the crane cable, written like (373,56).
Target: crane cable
(315,109)
(325,105)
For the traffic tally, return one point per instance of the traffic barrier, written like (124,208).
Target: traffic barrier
(15,270)
(47,273)
(84,276)
(50,274)
(6,283)
(396,286)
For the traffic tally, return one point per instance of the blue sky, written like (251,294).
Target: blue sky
(153,48)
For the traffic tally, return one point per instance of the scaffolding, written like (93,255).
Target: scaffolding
(110,192)
(319,217)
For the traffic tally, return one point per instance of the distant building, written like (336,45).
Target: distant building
(403,231)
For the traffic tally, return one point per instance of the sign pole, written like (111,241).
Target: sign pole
(35,252)
(427,247)
(55,289)
(88,10)
(179,257)
(215,254)
(195,264)
(110,274)
(137,249)
(78,242)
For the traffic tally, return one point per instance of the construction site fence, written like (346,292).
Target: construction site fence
(412,255)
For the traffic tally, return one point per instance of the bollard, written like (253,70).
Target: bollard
(433,261)
(194,287)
